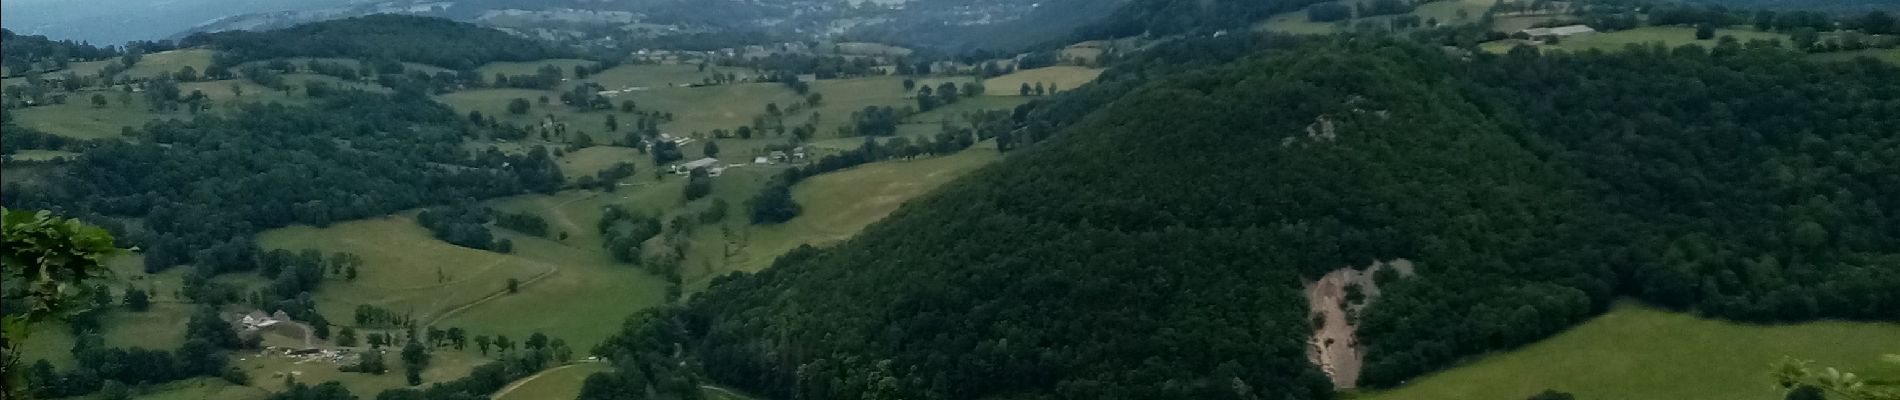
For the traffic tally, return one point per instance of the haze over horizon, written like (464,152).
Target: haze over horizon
(114,22)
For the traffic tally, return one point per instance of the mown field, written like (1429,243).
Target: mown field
(168,62)
(836,206)
(563,382)
(1637,352)
(1062,77)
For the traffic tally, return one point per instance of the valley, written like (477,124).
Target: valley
(1152,199)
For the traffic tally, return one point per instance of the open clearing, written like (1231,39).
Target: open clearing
(79,119)
(563,382)
(168,62)
(1064,77)
(566,65)
(1667,35)
(1637,352)
(652,76)
(836,206)
(405,269)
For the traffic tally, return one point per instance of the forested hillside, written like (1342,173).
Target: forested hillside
(1155,248)
(432,41)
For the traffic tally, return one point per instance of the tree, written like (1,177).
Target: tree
(414,359)
(48,257)
(612,123)
(909,84)
(698,183)
(1553,395)
(481,342)
(136,300)
(514,285)
(99,101)
(1704,32)
(1878,23)
(627,106)
(1025,90)
(346,337)
(536,341)
(1804,38)
(774,204)
(519,106)
(503,344)
(712,149)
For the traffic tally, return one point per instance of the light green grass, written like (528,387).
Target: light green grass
(43,155)
(566,65)
(1063,77)
(1671,36)
(583,302)
(656,75)
(169,62)
(494,103)
(836,206)
(562,382)
(1636,352)
(843,96)
(590,161)
(160,328)
(1889,55)
(78,118)
(703,109)
(405,268)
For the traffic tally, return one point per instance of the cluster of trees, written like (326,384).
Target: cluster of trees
(946,94)
(880,121)
(433,41)
(622,231)
(25,53)
(463,224)
(372,316)
(1716,194)
(778,66)
(524,222)
(544,78)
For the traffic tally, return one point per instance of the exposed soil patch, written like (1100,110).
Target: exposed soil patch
(1336,300)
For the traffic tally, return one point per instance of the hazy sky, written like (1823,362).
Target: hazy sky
(118,21)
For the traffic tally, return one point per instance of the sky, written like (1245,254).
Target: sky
(103,22)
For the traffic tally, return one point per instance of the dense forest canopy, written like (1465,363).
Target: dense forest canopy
(432,41)
(1155,247)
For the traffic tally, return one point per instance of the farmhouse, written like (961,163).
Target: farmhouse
(689,166)
(1557,32)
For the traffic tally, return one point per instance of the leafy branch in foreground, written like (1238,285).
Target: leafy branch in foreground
(45,258)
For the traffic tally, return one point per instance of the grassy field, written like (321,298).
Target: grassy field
(1636,352)
(703,109)
(1063,77)
(78,118)
(1668,35)
(405,268)
(836,206)
(843,96)
(1888,55)
(489,70)
(168,62)
(657,75)
(562,382)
